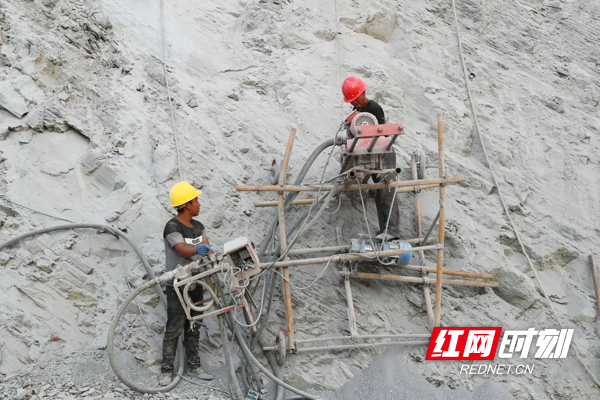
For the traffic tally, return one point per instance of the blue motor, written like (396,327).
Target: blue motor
(405,258)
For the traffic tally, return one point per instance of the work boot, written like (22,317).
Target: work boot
(165,378)
(200,374)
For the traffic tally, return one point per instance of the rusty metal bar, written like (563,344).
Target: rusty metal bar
(465,274)
(442,222)
(596,281)
(308,202)
(344,257)
(413,279)
(418,268)
(325,188)
(282,240)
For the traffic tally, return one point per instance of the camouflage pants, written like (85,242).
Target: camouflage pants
(384,199)
(176,323)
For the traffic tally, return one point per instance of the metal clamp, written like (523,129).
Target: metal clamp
(426,281)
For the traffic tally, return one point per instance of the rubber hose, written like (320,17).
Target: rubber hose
(249,356)
(280,391)
(271,283)
(111,354)
(248,366)
(315,218)
(139,253)
(111,229)
(228,360)
(302,218)
(256,336)
(291,196)
(214,288)
(276,370)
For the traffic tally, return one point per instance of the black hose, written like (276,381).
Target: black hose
(250,356)
(270,281)
(151,274)
(276,370)
(246,351)
(108,228)
(111,350)
(237,393)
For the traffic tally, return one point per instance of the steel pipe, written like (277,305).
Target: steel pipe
(308,202)
(353,145)
(390,176)
(332,249)
(342,248)
(418,268)
(345,257)
(325,188)
(391,143)
(412,279)
(372,144)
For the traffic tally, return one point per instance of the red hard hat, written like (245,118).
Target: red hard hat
(352,88)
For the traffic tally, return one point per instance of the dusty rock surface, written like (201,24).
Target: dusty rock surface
(87,135)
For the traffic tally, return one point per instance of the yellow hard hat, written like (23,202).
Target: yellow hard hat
(182,192)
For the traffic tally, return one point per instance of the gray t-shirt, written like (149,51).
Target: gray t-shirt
(176,232)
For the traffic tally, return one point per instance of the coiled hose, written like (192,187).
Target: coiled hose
(151,274)
(249,356)
(153,282)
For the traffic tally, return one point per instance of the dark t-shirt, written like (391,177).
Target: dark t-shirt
(176,232)
(374,108)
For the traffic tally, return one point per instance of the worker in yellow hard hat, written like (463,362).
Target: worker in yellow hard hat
(185,239)
(354,90)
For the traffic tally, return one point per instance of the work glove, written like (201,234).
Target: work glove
(203,249)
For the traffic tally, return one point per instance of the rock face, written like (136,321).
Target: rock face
(12,101)
(94,126)
(381,25)
(515,287)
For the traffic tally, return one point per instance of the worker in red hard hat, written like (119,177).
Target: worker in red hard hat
(354,90)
